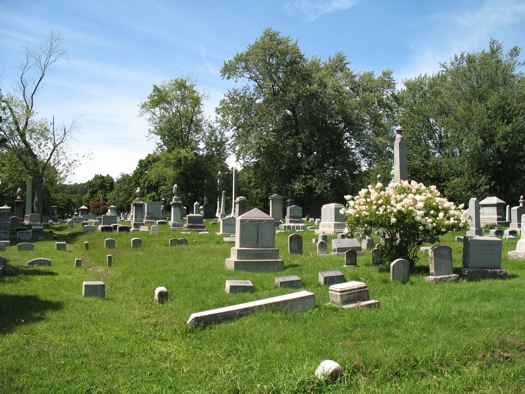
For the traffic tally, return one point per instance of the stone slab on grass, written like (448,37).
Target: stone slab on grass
(294,302)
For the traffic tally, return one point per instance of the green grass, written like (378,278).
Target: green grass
(431,338)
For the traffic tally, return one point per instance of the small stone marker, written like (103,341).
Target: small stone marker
(144,229)
(350,257)
(238,286)
(290,282)
(40,261)
(295,244)
(376,256)
(351,294)
(367,243)
(89,229)
(109,243)
(322,247)
(331,277)
(182,241)
(399,270)
(94,289)
(22,246)
(109,260)
(440,265)
(172,242)
(329,369)
(24,235)
(341,245)
(154,230)
(136,242)
(78,262)
(86,245)
(161,295)
(105,228)
(60,246)
(123,229)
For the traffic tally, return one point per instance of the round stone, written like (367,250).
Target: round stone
(329,369)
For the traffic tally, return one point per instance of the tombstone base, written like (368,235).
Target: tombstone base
(442,278)
(362,305)
(516,255)
(484,273)
(194,227)
(254,265)
(293,227)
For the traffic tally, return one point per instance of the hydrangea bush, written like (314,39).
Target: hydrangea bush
(405,215)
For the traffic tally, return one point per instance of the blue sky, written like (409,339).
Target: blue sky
(117,51)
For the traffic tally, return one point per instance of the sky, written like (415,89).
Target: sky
(117,50)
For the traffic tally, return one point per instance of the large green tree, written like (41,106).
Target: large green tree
(301,126)
(37,145)
(464,126)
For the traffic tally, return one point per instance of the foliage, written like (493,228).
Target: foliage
(123,193)
(98,207)
(301,126)
(464,126)
(406,215)
(36,144)
(98,188)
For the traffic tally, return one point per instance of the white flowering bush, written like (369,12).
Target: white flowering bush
(405,215)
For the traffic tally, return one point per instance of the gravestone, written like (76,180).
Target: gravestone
(322,247)
(106,228)
(254,248)
(290,282)
(112,211)
(138,210)
(86,245)
(4,235)
(399,270)
(350,257)
(294,219)
(61,246)
(327,278)
(332,220)
(492,211)
(24,246)
(39,261)
(24,235)
(238,286)
(519,253)
(400,157)
(482,258)
(516,214)
(351,294)
(136,242)
(108,220)
(377,258)
(367,243)
(340,246)
(123,229)
(109,260)
(276,207)
(161,295)
(177,210)
(109,243)
(153,211)
(154,230)
(241,204)
(195,221)
(227,225)
(440,265)
(475,224)
(89,229)
(295,244)
(94,289)
(78,262)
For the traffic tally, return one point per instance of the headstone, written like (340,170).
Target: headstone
(227,225)
(39,261)
(290,282)
(367,243)
(399,270)
(109,260)
(123,229)
(112,211)
(254,248)
(195,222)
(294,302)
(482,258)
(161,295)
(4,235)
(136,242)
(108,220)
(94,289)
(106,228)
(182,241)
(322,247)
(78,262)
(294,219)
(377,258)
(400,157)
(109,243)
(86,245)
(144,229)
(519,253)
(138,210)
(327,278)
(176,209)
(516,214)
(238,286)
(23,246)
(440,265)
(329,369)
(276,207)
(295,244)
(89,229)
(475,224)
(332,220)
(61,246)
(351,294)
(492,211)
(340,246)
(154,230)
(350,257)
(153,211)
(241,204)
(24,235)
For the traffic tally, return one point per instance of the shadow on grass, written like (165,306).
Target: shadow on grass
(17,309)
(29,271)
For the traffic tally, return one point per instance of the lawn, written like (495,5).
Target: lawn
(467,336)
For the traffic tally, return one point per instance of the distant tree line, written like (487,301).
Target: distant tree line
(309,129)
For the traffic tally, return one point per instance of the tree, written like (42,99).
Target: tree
(175,112)
(301,126)
(464,126)
(98,189)
(36,143)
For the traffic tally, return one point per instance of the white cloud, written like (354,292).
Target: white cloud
(312,9)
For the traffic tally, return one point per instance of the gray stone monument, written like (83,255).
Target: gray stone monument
(137,210)
(276,207)
(295,244)
(519,253)
(254,248)
(475,224)
(332,220)
(241,204)
(482,258)
(195,220)
(294,219)
(440,265)
(492,211)
(400,157)
(399,270)
(176,209)
(516,214)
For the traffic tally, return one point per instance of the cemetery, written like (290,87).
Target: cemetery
(267,311)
